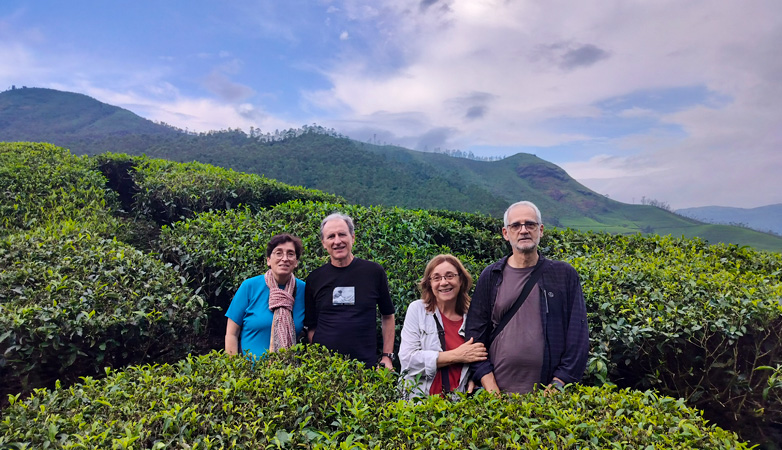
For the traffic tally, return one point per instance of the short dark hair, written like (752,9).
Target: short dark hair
(425,285)
(282,238)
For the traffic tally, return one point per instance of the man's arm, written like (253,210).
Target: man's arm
(478,324)
(387,309)
(574,360)
(387,327)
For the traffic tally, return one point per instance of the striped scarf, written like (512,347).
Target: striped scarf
(281,304)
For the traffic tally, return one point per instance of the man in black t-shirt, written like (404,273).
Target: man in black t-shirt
(342,297)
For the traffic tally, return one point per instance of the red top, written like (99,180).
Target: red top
(452,340)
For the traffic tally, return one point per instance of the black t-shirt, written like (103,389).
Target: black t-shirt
(340,303)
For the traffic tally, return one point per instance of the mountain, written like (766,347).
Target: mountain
(31,114)
(764,218)
(362,173)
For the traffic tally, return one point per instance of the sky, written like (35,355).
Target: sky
(675,101)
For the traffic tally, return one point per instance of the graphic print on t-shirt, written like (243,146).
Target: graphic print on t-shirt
(343,295)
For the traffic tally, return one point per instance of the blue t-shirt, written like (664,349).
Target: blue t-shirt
(250,310)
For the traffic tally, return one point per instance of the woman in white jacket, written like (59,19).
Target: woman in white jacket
(437,319)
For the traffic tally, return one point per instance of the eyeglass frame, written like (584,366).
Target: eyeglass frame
(528,224)
(448,277)
(279,254)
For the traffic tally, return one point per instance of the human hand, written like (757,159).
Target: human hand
(490,383)
(555,387)
(385,363)
(472,351)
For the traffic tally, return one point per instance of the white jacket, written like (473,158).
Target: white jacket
(419,349)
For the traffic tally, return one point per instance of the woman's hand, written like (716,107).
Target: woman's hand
(470,352)
(466,353)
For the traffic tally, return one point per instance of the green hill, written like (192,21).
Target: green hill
(362,173)
(36,114)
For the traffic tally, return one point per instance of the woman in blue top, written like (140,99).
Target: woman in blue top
(267,312)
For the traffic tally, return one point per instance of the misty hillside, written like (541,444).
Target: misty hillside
(764,218)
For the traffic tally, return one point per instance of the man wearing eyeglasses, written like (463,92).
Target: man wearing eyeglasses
(343,296)
(536,336)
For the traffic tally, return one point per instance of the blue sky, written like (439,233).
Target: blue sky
(676,101)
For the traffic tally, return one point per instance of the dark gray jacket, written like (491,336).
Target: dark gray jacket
(562,313)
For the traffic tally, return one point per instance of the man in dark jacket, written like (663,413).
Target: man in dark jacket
(546,341)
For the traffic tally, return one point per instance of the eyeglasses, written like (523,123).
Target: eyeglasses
(529,225)
(448,277)
(279,254)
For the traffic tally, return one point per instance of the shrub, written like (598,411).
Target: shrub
(478,221)
(689,319)
(306,397)
(42,184)
(167,191)
(72,302)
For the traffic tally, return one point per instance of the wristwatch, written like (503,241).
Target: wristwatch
(390,355)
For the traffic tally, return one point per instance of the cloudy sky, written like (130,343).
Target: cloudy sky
(678,101)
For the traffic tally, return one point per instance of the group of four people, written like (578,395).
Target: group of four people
(525,325)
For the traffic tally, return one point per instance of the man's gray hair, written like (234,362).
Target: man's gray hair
(522,203)
(337,215)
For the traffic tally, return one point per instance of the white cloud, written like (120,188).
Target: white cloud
(488,73)
(541,61)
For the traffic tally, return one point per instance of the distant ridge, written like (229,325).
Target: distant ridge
(362,173)
(29,114)
(763,218)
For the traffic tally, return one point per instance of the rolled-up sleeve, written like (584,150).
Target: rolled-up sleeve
(417,355)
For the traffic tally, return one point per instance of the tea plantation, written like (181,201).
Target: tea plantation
(116,272)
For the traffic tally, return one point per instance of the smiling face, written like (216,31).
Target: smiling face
(338,242)
(445,290)
(283,261)
(524,240)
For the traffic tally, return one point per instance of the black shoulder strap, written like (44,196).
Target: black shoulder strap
(533,278)
(443,370)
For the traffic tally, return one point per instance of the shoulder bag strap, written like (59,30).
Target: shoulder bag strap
(533,278)
(443,370)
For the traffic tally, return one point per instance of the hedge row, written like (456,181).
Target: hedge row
(72,302)
(167,191)
(41,184)
(308,398)
(686,318)
(692,320)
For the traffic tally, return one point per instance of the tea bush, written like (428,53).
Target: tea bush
(307,398)
(167,191)
(41,184)
(72,302)
(681,316)
(692,320)
(475,220)
(686,318)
